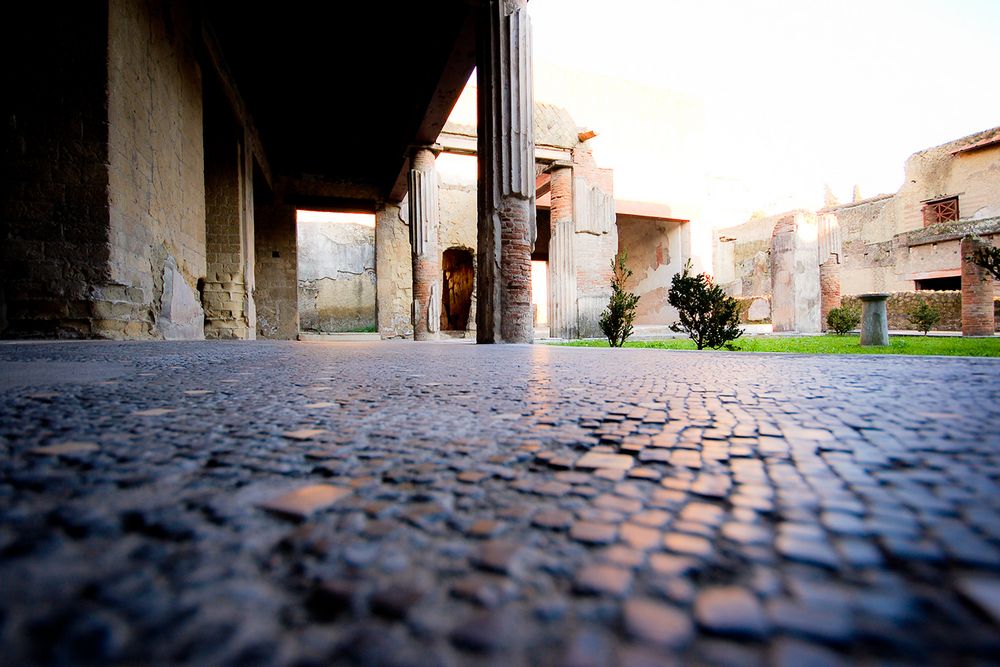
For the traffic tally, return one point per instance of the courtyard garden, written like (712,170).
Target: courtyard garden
(831,344)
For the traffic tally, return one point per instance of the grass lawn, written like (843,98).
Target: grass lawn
(832,344)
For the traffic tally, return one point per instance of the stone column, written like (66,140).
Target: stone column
(977,294)
(506,149)
(423,204)
(829,289)
(562,263)
(874,319)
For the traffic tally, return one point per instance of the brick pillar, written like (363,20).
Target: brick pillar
(276,290)
(829,289)
(226,298)
(423,206)
(562,262)
(506,149)
(977,294)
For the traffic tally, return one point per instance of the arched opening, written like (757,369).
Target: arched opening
(458,282)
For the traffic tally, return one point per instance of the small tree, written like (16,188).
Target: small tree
(707,314)
(843,320)
(986,256)
(616,320)
(924,316)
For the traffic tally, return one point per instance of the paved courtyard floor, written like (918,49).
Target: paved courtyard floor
(449,504)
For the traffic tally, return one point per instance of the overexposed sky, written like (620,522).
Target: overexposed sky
(795,93)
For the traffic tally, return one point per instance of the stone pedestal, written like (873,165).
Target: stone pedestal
(977,294)
(562,261)
(506,149)
(874,319)
(426,253)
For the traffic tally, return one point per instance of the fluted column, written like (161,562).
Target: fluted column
(562,263)
(506,150)
(423,205)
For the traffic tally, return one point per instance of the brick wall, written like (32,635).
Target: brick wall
(276,271)
(948,304)
(829,289)
(54,180)
(977,293)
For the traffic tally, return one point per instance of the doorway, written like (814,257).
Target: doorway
(458,281)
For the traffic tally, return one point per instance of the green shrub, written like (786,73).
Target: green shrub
(843,320)
(709,316)
(616,320)
(924,316)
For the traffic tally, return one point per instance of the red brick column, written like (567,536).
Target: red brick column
(829,289)
(562,263)
(506,148)
(977,295)
(423,209)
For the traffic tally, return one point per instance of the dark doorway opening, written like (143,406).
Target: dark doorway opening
(458,282)
(939,284)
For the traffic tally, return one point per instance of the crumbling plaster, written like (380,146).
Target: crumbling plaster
(156,163)
(336,276)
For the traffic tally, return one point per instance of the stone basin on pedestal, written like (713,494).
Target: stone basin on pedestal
(874,319)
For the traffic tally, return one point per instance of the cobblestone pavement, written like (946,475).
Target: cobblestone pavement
(450,504)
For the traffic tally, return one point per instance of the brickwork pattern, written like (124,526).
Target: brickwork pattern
(829,289)
(224,292)
(517,216)
(54,238)
(276,292)
(424,244)
(977,294)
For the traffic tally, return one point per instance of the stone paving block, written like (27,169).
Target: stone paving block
(304,433)
(984,592)
(64,448)
(597,460)
(730,610)
(592,532)
(153,412)
(654,622)
(603,579)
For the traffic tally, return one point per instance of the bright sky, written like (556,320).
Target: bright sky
(796,93)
